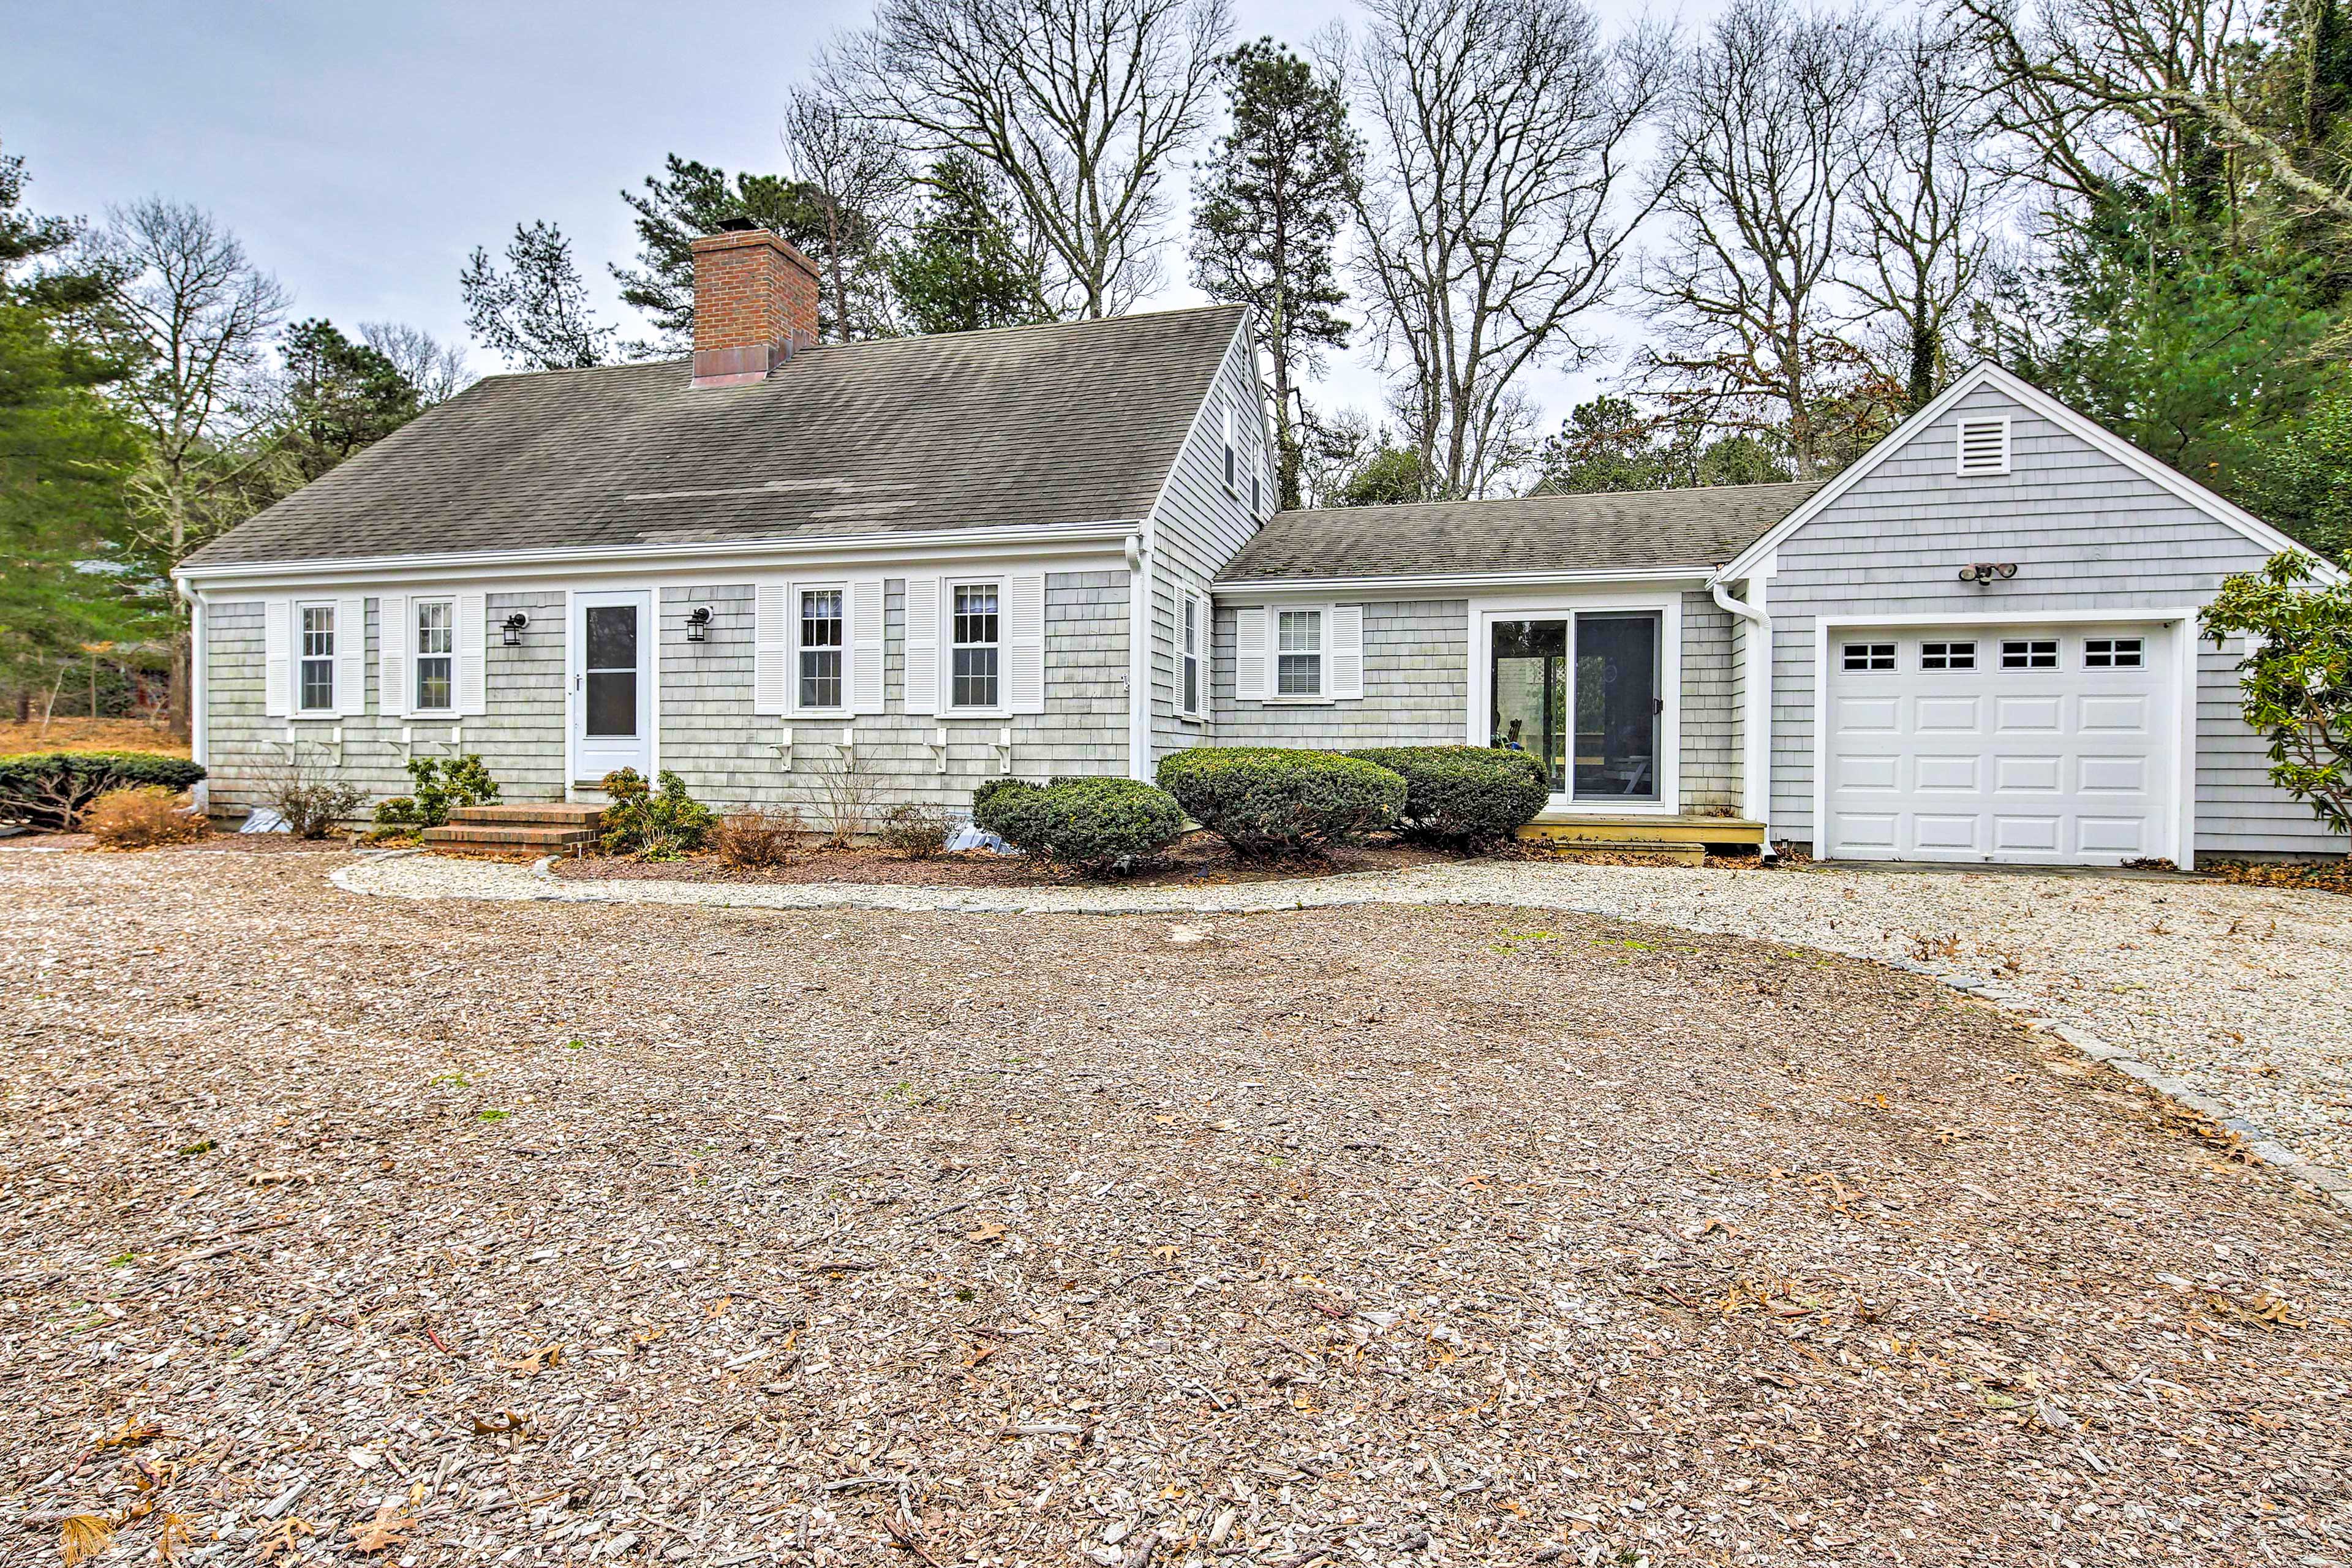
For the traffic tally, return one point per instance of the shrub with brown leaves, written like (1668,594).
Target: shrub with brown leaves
(142,817)
(915,832)
(761,837)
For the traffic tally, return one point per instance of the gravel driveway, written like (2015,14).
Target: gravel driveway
(2245,994)
(471,1231)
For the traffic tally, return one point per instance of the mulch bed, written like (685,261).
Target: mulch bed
(1198,857)
(460,1231)
(2319,876)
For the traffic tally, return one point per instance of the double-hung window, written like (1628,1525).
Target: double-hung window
(1298,653)
(977,644)
(1195,633)
(314,689)
(437,655)
(1231,457)
(821,645)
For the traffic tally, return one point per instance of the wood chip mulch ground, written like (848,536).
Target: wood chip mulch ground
(371,1230)
(1198,857)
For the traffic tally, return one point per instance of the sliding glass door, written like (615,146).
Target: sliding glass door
(1581,694)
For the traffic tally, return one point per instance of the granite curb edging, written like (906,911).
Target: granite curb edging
(1334,892)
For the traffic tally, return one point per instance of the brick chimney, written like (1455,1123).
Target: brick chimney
(754,304)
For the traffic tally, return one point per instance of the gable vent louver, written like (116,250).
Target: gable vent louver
(1983,446)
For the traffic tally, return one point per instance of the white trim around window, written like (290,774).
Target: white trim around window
(817,632)
(1666,605)
(432,627)
(1194,623)
(316,634)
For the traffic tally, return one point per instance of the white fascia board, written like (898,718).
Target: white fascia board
(1455,584)
(698,559)
(2085,429)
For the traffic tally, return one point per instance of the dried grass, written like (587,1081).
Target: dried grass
(145,816)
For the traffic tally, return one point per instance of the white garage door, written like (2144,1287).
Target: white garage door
(2036,744)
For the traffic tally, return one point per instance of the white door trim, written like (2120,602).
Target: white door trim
(2179,621)
(1667,606)
(573,652)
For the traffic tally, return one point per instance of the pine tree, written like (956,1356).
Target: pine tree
(1268,214)
(535,312)
(339,398)
(686,201)
(965,268)
(65,457)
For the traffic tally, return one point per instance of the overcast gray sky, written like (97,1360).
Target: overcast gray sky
(362,150)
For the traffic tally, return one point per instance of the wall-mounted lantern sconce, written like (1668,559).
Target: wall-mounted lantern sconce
(510,629)
(1983,572)
(698,624)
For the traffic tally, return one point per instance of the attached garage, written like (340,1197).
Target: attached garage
(2035,743)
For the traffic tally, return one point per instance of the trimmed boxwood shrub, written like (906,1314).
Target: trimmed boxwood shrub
(1267,800)
(1089,823)
(1461,796)
(52,789)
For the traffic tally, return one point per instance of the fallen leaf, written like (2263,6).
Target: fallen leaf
(537,1361)
(283,1538)
(131,1434)
(987,1230)
(502,1423)
(389,1528)
(83,1536)
(364,1459)
(171,1538)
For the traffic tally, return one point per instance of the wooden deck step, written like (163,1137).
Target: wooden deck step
(546,837)
(1681,853)
(532,814)
(1597,831)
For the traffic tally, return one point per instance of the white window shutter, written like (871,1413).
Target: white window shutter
(1250,655)
(277,658)
(1024,642)
(922,644)
(351,657)
(771,647)
(864,632)
(473,611)
(1346,657)
(392,695)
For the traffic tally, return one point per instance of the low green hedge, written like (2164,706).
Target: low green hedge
(52,789)
(1267,800)
(1090,824)
(1463,795)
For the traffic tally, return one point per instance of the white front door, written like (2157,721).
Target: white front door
(612,683)
(2033,745)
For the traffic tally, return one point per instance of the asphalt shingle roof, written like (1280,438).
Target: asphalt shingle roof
(1075,422)
(1621,530)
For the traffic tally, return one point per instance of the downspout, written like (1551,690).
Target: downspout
(199,725)
(1139,660)
(1755,721)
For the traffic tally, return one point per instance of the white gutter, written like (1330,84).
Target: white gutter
(1755,721)
(694,553)
(1244,591)
(199,730)
(1139,660)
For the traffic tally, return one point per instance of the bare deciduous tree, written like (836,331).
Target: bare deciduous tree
(1747,298)
(855,172)
(2143,91)
(1082,105)
(1501,198)
(1922,201)
(192,316)
(438,370)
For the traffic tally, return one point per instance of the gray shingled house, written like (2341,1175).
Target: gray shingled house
(1052,549)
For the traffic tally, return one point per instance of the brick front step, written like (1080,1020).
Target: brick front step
(532,814)
(548,838)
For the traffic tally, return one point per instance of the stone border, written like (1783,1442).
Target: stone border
(1349,889)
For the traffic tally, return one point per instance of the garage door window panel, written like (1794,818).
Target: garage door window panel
(2112,653)
(1948,655)
(2029,653)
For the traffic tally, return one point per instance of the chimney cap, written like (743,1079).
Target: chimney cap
(735,225)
